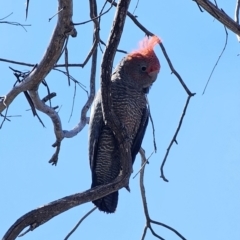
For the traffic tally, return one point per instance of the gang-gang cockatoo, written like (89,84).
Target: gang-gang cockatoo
(130,82)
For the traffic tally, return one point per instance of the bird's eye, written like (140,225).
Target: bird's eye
(144,68)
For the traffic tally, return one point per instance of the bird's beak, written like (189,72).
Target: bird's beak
(153,74)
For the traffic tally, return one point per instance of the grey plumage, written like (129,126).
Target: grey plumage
(129,84)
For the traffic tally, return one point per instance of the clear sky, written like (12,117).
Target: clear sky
(201,199)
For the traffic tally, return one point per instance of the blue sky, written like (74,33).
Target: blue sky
(201,199)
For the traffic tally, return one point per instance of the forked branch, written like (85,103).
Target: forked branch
(149,221)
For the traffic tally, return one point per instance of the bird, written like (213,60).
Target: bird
(130,82)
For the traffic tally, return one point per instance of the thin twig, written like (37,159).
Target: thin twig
(237,15)
(79,222)
(224,47)
(66,64)
(100,15)
(50,57)
(17,24)
(153,128)
(55,14)
(135,7)
(220,15)
(174,139)
(143,165)
(145,207)
(27,5)
(20,78)
(6,16)
(237,11)
(73,79)
(118,50)
(175,72)
(74,95)
(4,117)
(51,95)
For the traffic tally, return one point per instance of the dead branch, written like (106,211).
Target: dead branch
(149,221)
(118,50)
(66,62)
(99,16)
(17,24)
(4,118)
(84,119)
(63,28)
(236,16)
(224,47)
(27,5)
(41,106)
(174,139)
(109,116)
(43,214)
(220,15)
(15,62)
(79,222)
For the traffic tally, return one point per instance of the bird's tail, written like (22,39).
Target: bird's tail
(108,203)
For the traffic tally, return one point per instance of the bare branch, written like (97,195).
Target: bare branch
(174,139)
(84,119)
(109,116)
(153,128)
(80,221)
(4,117)
(145,208)
(135,7)
(144,232)
(74,95)
(56,14)
(17,24)
(95,18)
(237,11)
(27,6)
(6,16)
(20,77)
(220,15)
(236,17)
(63,28)
(118,50)
(41,215)
(224,47)
(41,106)
(66,63)
(55,66)
(175,72)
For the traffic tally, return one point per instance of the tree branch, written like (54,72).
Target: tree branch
(79,222)
(106,70)
(174,139)
(63,28)
(41,215)
(236,16)
(220,15)
(145,208)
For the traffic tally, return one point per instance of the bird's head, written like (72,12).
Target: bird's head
(142,65)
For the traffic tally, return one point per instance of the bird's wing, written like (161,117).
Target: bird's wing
(137,142)
(95,128)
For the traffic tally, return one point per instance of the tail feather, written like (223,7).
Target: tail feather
(108,203)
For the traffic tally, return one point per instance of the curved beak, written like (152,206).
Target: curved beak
(153,74)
